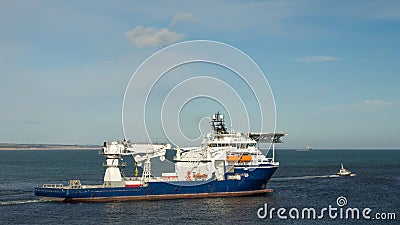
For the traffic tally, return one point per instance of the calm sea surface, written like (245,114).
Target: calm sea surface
(304,180)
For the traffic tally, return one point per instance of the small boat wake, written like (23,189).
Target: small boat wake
(303,177)
(22,201)
(342,172)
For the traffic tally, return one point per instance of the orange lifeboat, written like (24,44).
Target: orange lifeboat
(245,158)
(232,158)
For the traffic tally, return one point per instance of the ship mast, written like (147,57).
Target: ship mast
(218,123)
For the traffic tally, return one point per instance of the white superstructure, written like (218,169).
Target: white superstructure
(220,153)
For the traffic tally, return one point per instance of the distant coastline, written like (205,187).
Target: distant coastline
(13,146)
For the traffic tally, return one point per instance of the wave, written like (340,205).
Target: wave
(8,193)
(303,177)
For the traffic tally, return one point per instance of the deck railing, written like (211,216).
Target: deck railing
(53,185)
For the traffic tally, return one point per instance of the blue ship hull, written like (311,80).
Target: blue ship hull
(254,183)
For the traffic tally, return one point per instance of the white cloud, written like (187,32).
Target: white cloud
(366,105)
(316,59)
(377,104)
(182,18)
(143,37)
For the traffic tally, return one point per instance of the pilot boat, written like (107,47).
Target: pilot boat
(345,172)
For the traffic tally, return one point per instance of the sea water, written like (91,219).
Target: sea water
(304,180)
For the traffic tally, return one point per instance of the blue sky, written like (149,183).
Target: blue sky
(333,66)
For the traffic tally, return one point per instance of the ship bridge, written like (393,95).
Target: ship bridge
(267,137)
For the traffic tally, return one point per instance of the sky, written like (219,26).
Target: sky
(333,66)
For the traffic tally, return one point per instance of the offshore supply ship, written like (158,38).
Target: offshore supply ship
(226,164)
